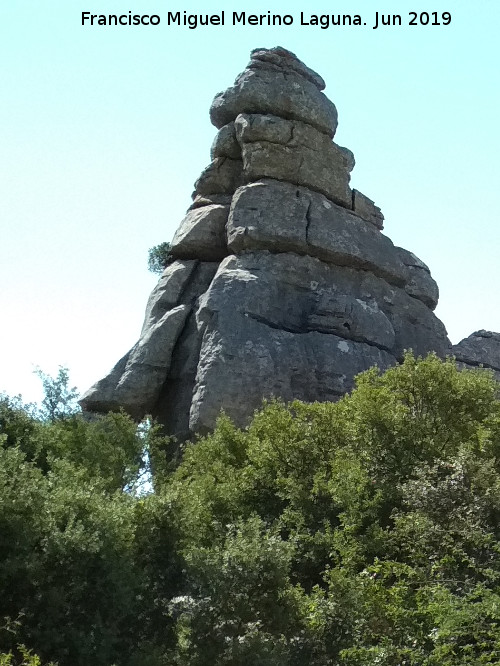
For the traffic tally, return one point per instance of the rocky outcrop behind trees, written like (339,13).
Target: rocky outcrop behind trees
(282,282)
(480,350)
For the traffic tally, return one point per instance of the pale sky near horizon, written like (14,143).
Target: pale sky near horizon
(103,131)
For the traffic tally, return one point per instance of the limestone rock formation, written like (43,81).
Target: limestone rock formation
(282,283)
(480,349)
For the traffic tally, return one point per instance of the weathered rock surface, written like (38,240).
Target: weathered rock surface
(222,176)
(481,348)
(294,152)
(225,143)
(215,199)
(202,234)
(136,380)
(419,283)
(300,294)
(243,357)
(281,217)
(281,60)
(282,283)
(365,208)
(291,91)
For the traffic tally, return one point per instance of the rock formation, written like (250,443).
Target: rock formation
(282,283)
(480,349)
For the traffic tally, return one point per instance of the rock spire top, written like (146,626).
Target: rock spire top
(277,82)
(283,60)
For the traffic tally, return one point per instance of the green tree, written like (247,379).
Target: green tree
(379,502)
(74,584)
(364,532)
(159,257)
(22,656)
(59,400)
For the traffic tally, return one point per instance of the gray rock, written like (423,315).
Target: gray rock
(416,327)
(167,292)
(479,368)
(411,260)
(420,283)
(480,348)
(295,152)
(200,200)
(280,93)
(285,218)
(250,128)
(202,234)
(222,176)
(365,208)
(269,215)
(335,235)
(314,292)
(352,318)
(243,360)
(348,156)
(101,396)
(174,402)
(225,143)
(300,294)
(135,382)
(279,59)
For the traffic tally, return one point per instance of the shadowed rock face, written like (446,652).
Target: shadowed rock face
(480,349)
(282,283)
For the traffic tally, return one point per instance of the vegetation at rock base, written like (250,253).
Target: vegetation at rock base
(350,534)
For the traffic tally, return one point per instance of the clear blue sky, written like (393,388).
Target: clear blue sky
(103,131)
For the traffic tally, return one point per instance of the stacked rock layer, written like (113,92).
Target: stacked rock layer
(281,282)
(480,350)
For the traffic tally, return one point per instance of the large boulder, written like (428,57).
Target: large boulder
(202,234)
(279,216)
(419,282)
(281,91)
(243,360)
(480,349)
(300,294)
(294,152)
(136,381)
(282,283)
(222,176)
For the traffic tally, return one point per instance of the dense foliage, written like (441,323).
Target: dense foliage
(358,533)
(159,258)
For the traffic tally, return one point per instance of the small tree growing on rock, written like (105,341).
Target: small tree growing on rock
(159,257)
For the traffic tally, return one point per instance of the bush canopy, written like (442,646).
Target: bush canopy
(363,532)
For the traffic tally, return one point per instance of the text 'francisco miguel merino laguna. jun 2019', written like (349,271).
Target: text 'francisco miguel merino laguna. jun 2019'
(181,19)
